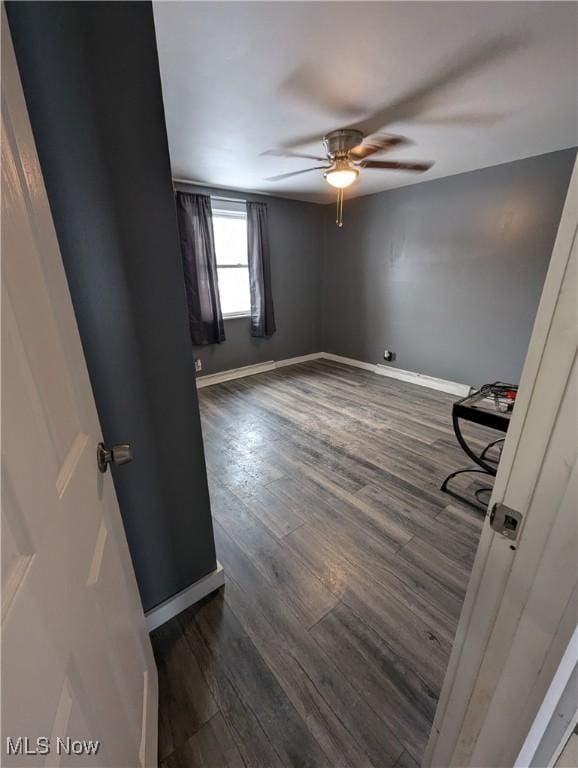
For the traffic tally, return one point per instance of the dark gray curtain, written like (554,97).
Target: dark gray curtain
(200,268)
(262,313)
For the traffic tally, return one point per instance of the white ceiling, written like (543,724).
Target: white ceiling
(233,76)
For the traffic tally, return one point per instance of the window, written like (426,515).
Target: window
(230,229)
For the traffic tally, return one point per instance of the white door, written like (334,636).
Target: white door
(76,657)
(521,607)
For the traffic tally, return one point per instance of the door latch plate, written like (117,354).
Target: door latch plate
(506,521)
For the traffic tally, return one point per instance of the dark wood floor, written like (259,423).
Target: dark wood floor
(345,568)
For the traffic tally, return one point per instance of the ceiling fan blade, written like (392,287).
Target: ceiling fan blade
(378,144)
(296,173)
(301,141)
(283,153)
(463,118)
(326,93)
(394,165)
(416,100)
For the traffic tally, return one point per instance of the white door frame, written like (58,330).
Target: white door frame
(498,658)
(557,717)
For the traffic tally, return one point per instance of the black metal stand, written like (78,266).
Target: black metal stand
(491,445)
(459,496)
(483,468)
(474,409)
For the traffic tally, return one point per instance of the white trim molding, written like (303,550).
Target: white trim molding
(557,717)
(349,361)
(185,598)
(297,360)
(234,373)
(412,377)
(423,380)
(252,370)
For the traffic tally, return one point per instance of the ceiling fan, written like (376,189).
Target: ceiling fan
(346,154)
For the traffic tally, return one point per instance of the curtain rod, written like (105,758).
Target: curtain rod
(215,197)
(225,189)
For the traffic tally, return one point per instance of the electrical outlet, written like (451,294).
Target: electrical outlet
(389,355)
(198,365)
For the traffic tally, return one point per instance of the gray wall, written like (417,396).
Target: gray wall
(296,235)
(92,85)
(446,273)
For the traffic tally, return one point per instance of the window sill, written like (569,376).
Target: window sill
(236,315)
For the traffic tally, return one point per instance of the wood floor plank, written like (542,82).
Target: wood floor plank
(245,473)
(423,556)
(211,747)
(233,650)
(279,518)
(186,702)
(249,736)
(343,562)
(463,519)
(320,499)
(386,682)
(449,535)
(404,624)
(346,569)
(407,761)
(424,648)
(285,573)
(337,742)
(374,735)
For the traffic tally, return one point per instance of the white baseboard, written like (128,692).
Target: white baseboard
(296,360)
(186,597)
(443,385)
(251,370)
(235,373)
(349,361)
(412,377)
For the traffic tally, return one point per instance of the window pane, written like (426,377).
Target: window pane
(230,239)
(234,290)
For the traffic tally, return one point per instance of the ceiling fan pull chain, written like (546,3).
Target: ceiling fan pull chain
(337,210)
(339,220)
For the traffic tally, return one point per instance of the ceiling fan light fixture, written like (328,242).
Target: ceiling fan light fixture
(342,175)
(341,179)
(346,153)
